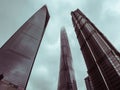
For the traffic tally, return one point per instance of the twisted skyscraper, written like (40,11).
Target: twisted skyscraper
(17,55)
(102,59)
(66,76)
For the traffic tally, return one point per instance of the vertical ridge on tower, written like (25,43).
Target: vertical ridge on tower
(102,59)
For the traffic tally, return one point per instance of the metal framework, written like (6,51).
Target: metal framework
(102,59)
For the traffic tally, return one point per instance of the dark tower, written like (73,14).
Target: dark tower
(102,59)
(17,55)
(66,76)
(88,83)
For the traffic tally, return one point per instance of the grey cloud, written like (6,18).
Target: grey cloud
(42,83)
(94,8)
(14,13)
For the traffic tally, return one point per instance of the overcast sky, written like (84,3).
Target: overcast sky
(105,14)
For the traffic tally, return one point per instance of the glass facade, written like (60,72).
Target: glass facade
(98,53)
(66,74)
(17,55)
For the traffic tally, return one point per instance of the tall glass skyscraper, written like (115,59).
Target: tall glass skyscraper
(17,55)
(66,75)
(102,59)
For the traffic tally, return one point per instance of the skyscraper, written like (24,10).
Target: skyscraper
(17,55)
(102,59)
(88,82)
(66,75)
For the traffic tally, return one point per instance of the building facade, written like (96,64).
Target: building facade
(66,74)
(18,54)
(102,59)
(88,83)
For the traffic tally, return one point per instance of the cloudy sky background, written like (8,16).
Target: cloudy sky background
(105,14)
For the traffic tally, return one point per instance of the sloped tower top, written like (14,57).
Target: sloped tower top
(17,55)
